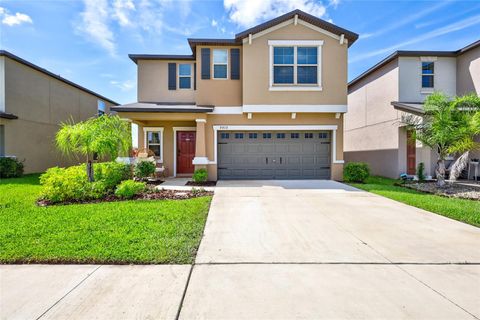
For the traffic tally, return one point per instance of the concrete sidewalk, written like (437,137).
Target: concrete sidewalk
(91,291)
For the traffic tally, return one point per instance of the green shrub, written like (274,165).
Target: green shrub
(200,175)
(129,188)
(356,172)
(71,184)
(421,171)
(10,168)
(144,169)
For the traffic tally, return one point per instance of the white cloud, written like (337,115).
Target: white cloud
(334,3)
(121,11)
(123,85)
(14,19)
(457,26)
(95,24)
(405,21)
(214,23)
(247,13)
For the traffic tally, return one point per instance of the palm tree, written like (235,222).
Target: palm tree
(105,136)
(447,127)
(469,105)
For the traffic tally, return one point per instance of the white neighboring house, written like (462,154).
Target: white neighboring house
(397,85)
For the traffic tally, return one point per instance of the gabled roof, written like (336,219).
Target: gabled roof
(193,42)
(351,36)
(412,53)
(5,53)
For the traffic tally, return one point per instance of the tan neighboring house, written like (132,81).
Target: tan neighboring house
(268,104)
(33,102)
(398,85)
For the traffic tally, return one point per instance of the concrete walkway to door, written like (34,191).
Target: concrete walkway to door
(321,249)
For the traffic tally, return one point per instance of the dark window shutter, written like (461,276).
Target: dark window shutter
(235,62)
(194,76)
(172,76)
(205,63)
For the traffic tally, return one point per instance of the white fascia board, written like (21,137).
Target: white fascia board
(295,42)
(227,110)
(274,127)
(298,108)
(288,22)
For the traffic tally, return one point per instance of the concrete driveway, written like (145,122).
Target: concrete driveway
(277,250)
(321,249)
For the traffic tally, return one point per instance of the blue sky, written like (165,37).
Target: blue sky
(88,41)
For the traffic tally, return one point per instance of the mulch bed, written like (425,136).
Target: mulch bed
(159,194)
(202,184)
(451,190)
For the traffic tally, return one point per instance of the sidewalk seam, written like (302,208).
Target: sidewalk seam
(177,316)
(66,294)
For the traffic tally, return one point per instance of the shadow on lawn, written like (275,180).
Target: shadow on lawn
(29,179)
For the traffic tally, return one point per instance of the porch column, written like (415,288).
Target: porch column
(200,144)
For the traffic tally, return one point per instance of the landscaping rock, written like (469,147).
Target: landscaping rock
(453,190)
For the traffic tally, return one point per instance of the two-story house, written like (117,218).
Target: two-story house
(268,104)
(398,85)
(33,104)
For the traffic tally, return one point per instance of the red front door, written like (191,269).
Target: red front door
(411,151)
(185,151)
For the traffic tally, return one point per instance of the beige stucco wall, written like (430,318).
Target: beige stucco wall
(41,104)
(218,92)
(256,70)
(152,83)
(372,124)
(468,72)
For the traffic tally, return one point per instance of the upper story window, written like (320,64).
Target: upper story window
(101,109)
(428,74)
(185,76)
(295,65)
(220,63)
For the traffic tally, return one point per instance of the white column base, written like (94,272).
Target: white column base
(200,160)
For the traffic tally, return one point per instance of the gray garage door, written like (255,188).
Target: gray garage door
(274,155)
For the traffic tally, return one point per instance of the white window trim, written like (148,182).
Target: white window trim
(145,141)
(295,44)
(175,130)
(332,128)
(179,76)
(427,89)
(221,64)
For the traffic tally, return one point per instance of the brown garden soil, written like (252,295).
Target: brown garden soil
(149,195)
(201,184)
(452,190)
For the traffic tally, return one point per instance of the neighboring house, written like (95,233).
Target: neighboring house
(268,104)
(33,103)
(398,85)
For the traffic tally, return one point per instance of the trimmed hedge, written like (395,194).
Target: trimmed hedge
(71,184)
(144,169)
(356,172)
(10,168)
(128,189)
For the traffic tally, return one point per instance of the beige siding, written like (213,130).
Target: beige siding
(41,104)
(468,72)
(153,82)
(256,70)
(218,92)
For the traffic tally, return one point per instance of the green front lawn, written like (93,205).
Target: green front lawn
(163,231)
(459,209)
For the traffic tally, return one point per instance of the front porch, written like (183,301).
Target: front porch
(174,133)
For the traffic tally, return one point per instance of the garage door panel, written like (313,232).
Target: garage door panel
(299,156)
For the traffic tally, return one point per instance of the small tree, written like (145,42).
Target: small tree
(444,127)
(107,135)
